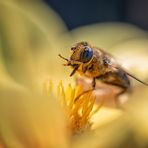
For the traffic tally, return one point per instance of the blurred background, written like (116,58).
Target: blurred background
(41,29)
(76,13)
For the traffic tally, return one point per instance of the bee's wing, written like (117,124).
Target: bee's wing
(128,62)
(136,78)
(135,67)
(131,75)
(133,55)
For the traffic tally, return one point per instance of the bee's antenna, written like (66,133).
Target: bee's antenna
(63,57)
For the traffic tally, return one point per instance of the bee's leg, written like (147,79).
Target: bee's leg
(117,99)
(74,70)
(94,83)
(117,78)
(123,90)
(87,91)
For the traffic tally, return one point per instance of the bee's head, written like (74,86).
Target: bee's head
(81,52)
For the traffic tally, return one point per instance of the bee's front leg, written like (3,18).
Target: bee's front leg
(87,91)
(94,83)
(84,69)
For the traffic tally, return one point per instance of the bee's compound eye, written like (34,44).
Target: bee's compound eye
(87,54)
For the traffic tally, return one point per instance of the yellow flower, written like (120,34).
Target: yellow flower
(79,108)
(53,118)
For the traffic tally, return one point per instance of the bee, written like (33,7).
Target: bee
(97,64)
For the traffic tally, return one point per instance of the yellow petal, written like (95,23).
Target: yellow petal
(30,120)
(31,46)
(133,55)
(106,35)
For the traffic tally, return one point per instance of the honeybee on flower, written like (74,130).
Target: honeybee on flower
(97,64)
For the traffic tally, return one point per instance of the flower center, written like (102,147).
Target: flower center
(78,111)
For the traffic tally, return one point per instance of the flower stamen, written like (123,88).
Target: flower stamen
(80,111)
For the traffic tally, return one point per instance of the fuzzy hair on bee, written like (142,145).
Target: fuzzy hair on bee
(97,64)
